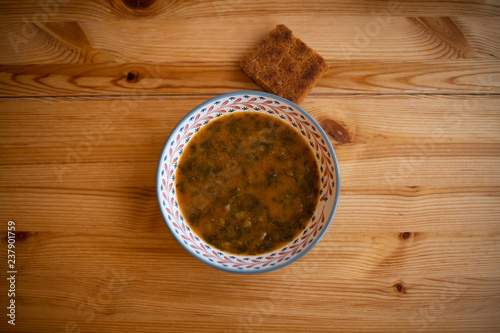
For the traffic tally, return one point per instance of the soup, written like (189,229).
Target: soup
(247,183)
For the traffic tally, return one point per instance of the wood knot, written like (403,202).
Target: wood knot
(336,130)
(138,4)
(20,236)
(399,287)
(132,77)
(405,235)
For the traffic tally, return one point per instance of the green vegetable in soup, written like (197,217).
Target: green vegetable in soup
(247,183)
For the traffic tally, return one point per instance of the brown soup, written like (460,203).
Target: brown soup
(247,183)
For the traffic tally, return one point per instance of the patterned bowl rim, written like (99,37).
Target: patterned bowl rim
(313,121)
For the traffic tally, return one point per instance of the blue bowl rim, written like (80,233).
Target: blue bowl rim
(337,180)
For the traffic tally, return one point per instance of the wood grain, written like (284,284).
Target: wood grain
(452,76)
(90,91)
(53,124)
(381,256)
(363,270)
(401,38)
(109,170)
(135,210)
(102,10)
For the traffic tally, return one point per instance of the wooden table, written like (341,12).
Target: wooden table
(91,90)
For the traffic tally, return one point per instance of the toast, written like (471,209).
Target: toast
(284,65)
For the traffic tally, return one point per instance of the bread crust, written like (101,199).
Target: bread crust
(284,65)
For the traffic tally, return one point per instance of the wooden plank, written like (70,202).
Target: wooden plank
(409,165)
(349,255)
(273,323)
(63,10)
(361,271)
(400,39)
(145,120)
(478,76)
(76,130)
(135,209)
(394,166)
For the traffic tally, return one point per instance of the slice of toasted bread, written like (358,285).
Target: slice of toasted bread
(284,65)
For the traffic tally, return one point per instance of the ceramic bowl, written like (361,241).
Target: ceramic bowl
(248,101)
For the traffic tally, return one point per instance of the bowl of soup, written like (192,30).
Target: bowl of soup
(248,182)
